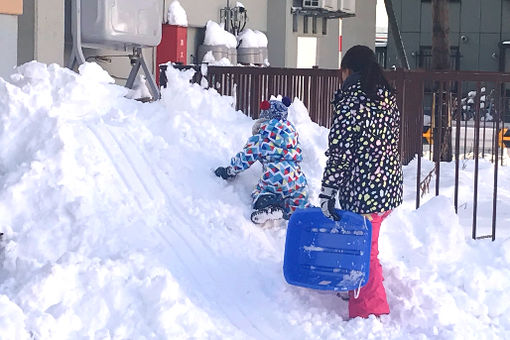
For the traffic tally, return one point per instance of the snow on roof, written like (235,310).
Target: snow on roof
(177,15)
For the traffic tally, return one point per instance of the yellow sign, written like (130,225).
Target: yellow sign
(504,138)
(427,135)
(14,7)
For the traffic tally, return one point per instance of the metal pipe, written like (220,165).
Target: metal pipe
(475,155)
(438,150)
(457,145)
(496,164)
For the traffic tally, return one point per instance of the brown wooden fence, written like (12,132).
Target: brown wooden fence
(251,85)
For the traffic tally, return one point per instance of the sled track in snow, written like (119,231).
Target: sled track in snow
(193,237)
(131,167)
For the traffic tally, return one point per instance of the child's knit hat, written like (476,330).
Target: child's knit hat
(275,109)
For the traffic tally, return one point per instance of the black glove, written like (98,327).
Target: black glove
(327,203)
(225,173)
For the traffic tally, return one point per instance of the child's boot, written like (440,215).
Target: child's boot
(268,206)
(268,213)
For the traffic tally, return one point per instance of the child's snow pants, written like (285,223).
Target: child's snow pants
(372,296)
(287,179)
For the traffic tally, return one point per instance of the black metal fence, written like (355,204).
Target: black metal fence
(467,115)
(424,58)
(446,116)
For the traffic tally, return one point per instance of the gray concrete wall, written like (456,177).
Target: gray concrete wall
(476,28)
(327,46)
(41,32)
(26,33)
(49,32)
(277,33)
(8,43)
(360,30)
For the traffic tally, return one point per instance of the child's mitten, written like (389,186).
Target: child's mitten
(256,126)
(225,173)
(327,203)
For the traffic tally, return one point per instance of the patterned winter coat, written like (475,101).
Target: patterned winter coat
(276,146)
(363,158)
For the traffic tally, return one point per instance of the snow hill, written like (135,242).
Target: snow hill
(115,227)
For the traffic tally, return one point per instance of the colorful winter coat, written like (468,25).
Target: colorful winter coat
(276,146)
(363,158)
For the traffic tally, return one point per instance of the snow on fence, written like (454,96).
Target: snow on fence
(251,85)
(448,116)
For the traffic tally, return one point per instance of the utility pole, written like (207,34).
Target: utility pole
(441,62)
(440,30)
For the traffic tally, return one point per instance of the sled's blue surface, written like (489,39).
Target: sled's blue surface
(327,255)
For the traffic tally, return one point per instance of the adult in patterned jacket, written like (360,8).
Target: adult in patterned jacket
(363,168)
(274,143)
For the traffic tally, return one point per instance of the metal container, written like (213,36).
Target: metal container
(232,55)
(121,24)
(218,51)
(250,55)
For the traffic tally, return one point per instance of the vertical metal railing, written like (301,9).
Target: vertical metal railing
(457,146)
(474,135)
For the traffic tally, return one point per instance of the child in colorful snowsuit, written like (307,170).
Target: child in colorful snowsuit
(274,143)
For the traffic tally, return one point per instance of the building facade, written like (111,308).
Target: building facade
(275,18)
(43,33)
(478,30)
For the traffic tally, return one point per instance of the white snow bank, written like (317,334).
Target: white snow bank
(140,89)
(177,15)
(116,227)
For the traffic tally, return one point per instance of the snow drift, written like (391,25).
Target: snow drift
(115,227)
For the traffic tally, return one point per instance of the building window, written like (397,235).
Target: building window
(381,52)
(311,3)
(424,58)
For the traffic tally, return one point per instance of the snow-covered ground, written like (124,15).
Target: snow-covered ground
(115,227)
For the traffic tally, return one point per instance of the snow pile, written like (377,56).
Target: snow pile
(115,227)
(210,60)
(177,15)
(140,89)
(434,274)
(249,38)
(216,35)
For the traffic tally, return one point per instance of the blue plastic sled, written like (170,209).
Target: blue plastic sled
(327,255)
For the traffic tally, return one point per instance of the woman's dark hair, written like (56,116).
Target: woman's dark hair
(362,59)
